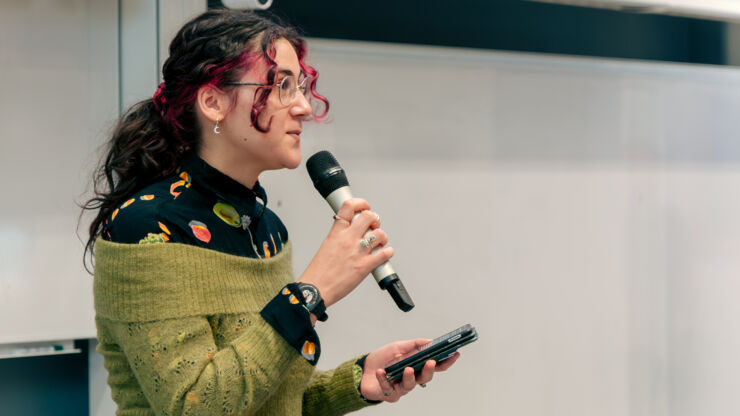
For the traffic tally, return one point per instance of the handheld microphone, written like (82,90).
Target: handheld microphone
(331,182)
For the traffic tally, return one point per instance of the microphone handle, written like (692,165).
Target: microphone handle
(384,274)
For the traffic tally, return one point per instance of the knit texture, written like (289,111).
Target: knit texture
(180,331)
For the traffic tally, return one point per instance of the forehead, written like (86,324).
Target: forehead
(286,57)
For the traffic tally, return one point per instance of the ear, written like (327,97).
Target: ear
(212,102)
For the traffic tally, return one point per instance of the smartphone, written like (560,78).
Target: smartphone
(438,350)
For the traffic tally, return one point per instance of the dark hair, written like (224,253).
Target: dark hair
(214,48)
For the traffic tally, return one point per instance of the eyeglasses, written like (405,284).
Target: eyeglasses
(287,87)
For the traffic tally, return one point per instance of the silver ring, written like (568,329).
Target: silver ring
(388,394)
(364,243)
(337,217)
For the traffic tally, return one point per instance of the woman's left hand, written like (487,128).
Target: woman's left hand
(374,385)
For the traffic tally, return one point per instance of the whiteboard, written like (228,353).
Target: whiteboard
(58,74)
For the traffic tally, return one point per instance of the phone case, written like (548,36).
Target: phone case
(439,349)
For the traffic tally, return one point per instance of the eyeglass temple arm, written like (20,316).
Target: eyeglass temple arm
(247,83)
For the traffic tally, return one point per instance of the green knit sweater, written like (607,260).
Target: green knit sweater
(180,331)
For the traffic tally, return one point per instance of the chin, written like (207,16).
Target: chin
(293,162)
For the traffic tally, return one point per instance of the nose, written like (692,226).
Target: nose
(301,107)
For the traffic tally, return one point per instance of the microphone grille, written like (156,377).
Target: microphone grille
(326,173)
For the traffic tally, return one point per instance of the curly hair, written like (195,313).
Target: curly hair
(214,48)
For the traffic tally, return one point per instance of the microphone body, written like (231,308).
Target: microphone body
(330,180)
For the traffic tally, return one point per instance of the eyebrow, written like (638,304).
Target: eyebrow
(288,72)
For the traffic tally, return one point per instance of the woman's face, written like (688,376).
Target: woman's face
(280,146)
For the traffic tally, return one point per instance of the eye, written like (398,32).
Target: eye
(303,86)
(287,84)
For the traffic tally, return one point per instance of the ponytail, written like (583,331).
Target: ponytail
(141,150)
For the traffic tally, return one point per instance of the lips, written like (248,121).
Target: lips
(295,133)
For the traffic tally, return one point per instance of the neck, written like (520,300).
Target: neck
(232,164)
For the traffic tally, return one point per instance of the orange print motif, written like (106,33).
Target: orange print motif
(146,197)
(274,247)
(164,228)
(294,300)
(192,398)
(113,217)
(165,231)
(200,231)
(185,181)
(266,249)
(308,350)
(127,203)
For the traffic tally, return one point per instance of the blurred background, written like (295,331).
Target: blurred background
(564,175)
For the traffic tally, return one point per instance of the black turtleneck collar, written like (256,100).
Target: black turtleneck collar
(223,186)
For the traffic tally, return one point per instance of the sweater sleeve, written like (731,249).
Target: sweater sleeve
(182,372)
(333,392)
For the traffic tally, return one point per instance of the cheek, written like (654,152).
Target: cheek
(267,118)
(245,108)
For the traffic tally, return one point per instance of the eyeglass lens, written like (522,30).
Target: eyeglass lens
(288,89)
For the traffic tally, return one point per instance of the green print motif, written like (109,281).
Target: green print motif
(228,214)
(152,238)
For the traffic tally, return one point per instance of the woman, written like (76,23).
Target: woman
(196,308)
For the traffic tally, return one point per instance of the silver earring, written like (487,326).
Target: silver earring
(216,128)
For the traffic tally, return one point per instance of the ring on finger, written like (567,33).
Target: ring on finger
(368,241)
(388,394)
(423,385)
(337,217)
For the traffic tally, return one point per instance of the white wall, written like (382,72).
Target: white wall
(581,213)
(59,83)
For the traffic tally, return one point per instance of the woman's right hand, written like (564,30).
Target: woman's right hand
(343,260)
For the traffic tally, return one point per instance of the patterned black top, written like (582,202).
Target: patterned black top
(201,206)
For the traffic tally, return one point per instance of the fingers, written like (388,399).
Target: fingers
(356,212)
(408,382)
(364,220)
(390,394)
(427,373)
(408,345)
(420,342)
(351,206)
(444,365)
(376,238)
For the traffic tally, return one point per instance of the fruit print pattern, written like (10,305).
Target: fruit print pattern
(199,189)
(228,214)
(184,181)
(200,231)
